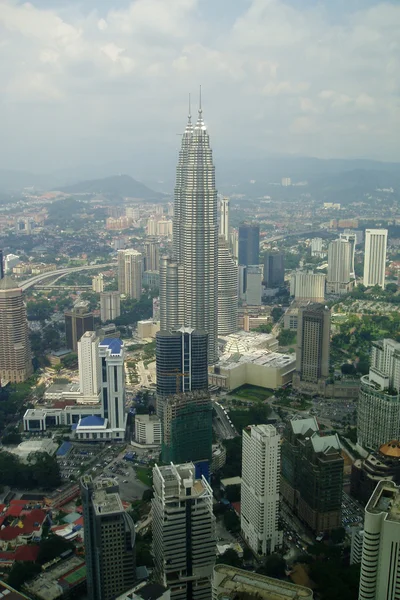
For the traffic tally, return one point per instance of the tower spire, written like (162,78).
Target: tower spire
(200,108)
(190,110)
(200,121)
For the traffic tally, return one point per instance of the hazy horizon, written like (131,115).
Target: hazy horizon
(97,82)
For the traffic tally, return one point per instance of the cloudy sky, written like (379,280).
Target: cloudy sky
(96,81)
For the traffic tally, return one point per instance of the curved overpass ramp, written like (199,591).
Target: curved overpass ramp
(29,283)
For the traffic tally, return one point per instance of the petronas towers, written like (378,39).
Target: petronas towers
(189,279)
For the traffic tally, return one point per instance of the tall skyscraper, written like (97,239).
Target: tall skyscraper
(110,306)
(260,489)
(187,428)
(313,342)
(130,267)
(339,266)
(249,244)
(191,299)
(378,407)
(152,254)
(77,321)
(98,283)
(184,543)
(1,265)
(351,238)
(312,474)
(109,540)
(380,563)
(305,285)
(375,257)
(15,350)
(224,218)
(274,270)
(254,285)
(234,243)
(89,365)
(227,289)
(181,362)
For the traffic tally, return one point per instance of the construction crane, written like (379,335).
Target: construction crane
(176,373)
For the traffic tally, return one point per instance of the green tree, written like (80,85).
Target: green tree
(264,328)
(12,438)
(233,493)
(286,337)
(231,521)
(21,572)
(53,547)
(231,558)
(274,566)
(338,535)
(276,313)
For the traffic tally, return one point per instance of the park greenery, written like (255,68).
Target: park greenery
(133,310)
(286,337)
(39,471)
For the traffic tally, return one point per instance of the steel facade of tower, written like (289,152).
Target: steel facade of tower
(192,295)
(227,290)
(249,244)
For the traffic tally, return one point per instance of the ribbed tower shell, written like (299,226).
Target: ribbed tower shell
(195,238)
(227,289)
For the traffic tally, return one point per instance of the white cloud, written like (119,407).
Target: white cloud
(290,78)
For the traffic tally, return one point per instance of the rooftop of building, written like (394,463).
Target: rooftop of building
(106,503)
(245,341)
(25,448)
(144,591)
(10,593)
(385,499)
(147,418)
(391,449)
(62,388)
(92,421)
(243,585)
(177,479)
(113,344)
(327,444)
(262,358)
(304,426)
(65,574)
(263,430)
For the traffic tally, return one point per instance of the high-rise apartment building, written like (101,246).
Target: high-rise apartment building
(312,475)
(351,238)
(274,270)
(89,365)
(380,563)
(234,243)
(249,244)
(224,218)
(339,266)
(259,515)
(77,321)
(305,285)
(98,283)
(313,342)
(152,254)
(378,408)
(1,265)
(15,350)
(184,543)
(110,306)
(317,247)
(375,257)
(130,268)
(187,428)
(227,290)
(181,363)
(109,540)
(190,299)
(112,356)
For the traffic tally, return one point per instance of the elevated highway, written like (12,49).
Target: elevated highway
(59,273)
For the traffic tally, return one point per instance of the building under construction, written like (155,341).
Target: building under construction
(187,428)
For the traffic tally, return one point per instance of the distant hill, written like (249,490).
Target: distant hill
(116,185)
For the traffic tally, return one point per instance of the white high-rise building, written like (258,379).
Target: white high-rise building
(110,306)
(380,564)
(224,218)
(375,257)
(130,268)
(227,290)
(195,239)
(260,488)
(89,365)
(317,246)
(184,543)
(351,238)
(98,283)
(306,285)
(234,243)
(338,280)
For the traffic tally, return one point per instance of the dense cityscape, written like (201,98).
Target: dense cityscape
(199,346)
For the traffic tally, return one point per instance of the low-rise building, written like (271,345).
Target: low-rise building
(148,430)
(230,583)
(147,591)
(147,329)
(24,449)
(66,579)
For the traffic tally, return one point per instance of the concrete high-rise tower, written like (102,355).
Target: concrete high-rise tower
(313,342)
(89,365)
(15,350)
(339,266)
(195,240)
(380,563)
(227,289)
(249,244)
(110,306)
(260,488)
(109,540)
(184,541)
(375,257)
(130,267)
(224,218)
